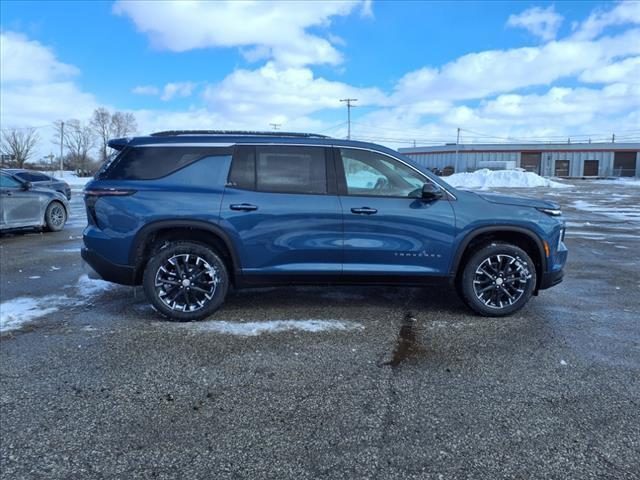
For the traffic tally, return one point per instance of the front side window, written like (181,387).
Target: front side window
(7,182)
(279,169)
(373,174)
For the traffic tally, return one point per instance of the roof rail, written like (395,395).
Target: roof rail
(173,133)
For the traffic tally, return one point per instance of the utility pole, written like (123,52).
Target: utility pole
(275,126)
(61,148)
(349,106)
(50,157)
(613,138)
(457,145)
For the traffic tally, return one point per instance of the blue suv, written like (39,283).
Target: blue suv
(187,214)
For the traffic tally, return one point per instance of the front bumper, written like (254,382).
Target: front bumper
(111,272)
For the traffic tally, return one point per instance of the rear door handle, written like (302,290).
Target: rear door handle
(364,211)
(243,207)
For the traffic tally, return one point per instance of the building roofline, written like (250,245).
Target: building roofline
(523,147)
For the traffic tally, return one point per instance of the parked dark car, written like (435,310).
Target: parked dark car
(24,205)
(40,179)
(187,214)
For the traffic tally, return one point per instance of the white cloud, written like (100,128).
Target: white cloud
(625,13)
(279,27)
(481,74)
(274,93)
(627,70)
(146,90)
(541,22)
(36,87)
(177,89)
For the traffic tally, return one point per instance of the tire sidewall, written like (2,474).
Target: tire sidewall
(468,277)
(161,256)
(47,217)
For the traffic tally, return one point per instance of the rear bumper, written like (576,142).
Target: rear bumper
(111,272)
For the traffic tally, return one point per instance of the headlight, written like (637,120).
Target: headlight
(553,212)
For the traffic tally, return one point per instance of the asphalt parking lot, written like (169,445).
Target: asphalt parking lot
(344,383)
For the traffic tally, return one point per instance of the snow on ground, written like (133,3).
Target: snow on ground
(625,181)
(74,181)
(628,213)
(484,179)
(20,311)
(252,329)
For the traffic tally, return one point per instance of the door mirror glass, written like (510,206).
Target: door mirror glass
(431,191)
(27,186)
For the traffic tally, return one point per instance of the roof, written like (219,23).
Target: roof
(248,133)
(520,147)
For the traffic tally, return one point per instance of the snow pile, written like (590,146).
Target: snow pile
(252,329)
(485,178)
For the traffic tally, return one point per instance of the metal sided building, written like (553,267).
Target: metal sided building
(560,159)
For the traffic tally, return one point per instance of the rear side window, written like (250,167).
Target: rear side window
(279,169)
(150,163)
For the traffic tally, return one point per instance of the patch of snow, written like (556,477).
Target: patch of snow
(90,286)
(19,311)
(484,179)
(72,179)
(55,268)
(34,277)
(252,329)
(563,362)
(626,181)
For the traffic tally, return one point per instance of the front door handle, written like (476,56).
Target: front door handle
(364,211)
(243,207)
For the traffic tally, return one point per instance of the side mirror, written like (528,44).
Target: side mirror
(27,185)
(431,191)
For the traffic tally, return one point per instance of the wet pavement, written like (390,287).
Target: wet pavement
(342,383)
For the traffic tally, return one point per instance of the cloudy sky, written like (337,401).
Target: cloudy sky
(499,71)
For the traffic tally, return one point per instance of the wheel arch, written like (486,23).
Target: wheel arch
(524,238)
(153,235)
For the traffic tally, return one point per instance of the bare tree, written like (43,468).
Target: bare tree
(123,124)
(19,143)
(101,124)
(79,139)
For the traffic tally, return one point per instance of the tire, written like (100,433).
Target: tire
(55,216)
(185,281)
(498,280)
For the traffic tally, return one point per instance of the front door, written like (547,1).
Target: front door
(388,229)
(281,207)
(20,207)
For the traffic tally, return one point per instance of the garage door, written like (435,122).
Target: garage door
(562,168)
(530,162)
(591,168)
(624,164)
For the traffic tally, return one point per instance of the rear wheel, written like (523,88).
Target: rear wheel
(55,217)
(186,281)
(498,280)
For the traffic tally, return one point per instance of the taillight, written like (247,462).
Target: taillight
(92,195)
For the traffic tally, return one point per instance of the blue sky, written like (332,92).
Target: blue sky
(419,69)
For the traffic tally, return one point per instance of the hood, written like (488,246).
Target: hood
(519,201)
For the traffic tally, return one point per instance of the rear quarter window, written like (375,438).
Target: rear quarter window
(150,163)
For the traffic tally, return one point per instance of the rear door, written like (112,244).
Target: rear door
(388,229)
(281,207)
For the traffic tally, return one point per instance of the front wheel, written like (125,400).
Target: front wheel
(185,281)
(498,280)
(55,217)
